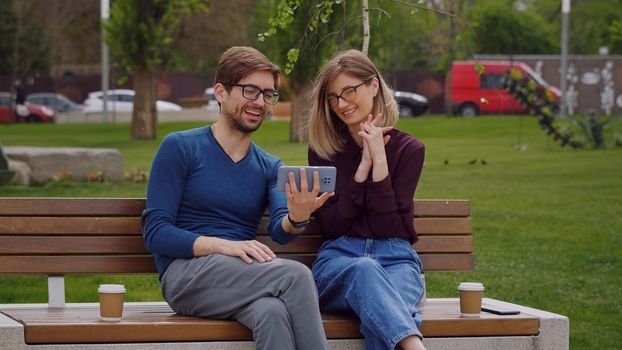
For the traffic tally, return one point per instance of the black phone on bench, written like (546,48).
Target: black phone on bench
(500,310)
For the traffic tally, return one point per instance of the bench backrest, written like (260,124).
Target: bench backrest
(62,236)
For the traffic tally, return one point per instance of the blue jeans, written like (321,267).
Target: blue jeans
(379,280)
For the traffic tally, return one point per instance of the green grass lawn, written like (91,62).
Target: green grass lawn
(547,221)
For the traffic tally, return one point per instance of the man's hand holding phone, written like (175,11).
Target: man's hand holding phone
(303,201)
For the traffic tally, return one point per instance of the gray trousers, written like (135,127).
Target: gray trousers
(277,300)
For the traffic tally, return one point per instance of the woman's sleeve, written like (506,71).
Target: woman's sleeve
(389,202)
(164,191)
(339,212)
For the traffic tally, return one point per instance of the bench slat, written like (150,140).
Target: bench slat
(157,323)
(120,245)
(425,244)
(450,226)
(447,262)
(67,245)
(441,208)
(70,225)
(444,244)
(70,265)
(131,225)
(20,206)
(123,264)
(423,226)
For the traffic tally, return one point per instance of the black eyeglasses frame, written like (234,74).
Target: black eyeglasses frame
(267,99)
(337,97)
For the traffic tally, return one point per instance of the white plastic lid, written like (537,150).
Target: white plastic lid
(111,288)
(475,286)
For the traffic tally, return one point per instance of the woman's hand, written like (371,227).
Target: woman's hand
(302,203)
(365,165)
(374,140)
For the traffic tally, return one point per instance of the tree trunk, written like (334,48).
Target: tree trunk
(366,34)
(144,115)
(301,105)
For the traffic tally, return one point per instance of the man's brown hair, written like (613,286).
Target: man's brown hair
(239,61)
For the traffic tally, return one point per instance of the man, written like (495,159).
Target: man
(207,191)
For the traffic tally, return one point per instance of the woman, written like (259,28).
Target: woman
(367,265)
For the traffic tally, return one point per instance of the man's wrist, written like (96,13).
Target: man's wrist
(297,224)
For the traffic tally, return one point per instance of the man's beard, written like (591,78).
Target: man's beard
(235,119)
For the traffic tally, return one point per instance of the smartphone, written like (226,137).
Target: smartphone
(499,310)
(328,176)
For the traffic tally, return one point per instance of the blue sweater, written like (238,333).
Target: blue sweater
(196,189)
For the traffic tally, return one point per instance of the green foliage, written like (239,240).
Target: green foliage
(402,37)
(615,37)
(479,68)
(30,55)
(499,28)
(576,131)
(299,35)
(590,22)
(284,16)
(140,33)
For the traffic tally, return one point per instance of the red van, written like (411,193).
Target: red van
(469,93)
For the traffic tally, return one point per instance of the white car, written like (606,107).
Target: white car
(121,100)
(212,103)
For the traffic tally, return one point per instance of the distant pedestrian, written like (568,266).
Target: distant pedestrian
(20,99)
(20,94)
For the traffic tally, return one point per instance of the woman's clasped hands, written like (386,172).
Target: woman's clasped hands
(374,156)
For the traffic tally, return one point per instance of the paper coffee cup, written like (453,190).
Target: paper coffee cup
(111,302)
(470,298)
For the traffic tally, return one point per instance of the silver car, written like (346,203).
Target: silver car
(57,102)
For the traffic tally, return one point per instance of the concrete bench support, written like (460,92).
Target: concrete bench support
(56,291)
(554,335)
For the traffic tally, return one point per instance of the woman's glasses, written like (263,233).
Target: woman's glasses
(348,94)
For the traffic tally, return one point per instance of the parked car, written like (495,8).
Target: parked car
(212,103)
(470,93)
(26,113)
(121,100)
(57,102)
(410,104)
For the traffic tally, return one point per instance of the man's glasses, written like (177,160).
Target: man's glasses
(251,92)
(348,94)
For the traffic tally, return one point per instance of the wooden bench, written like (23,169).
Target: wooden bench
(86,236)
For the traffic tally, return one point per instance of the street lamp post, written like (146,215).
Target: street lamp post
(105,5)
(564,56)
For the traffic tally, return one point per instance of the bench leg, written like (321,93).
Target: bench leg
(56,291)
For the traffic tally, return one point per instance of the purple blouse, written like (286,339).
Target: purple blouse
(370,209)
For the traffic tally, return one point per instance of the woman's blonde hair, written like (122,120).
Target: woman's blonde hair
(326,131)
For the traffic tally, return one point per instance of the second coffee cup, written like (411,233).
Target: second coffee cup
(111,302)
(471,294)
